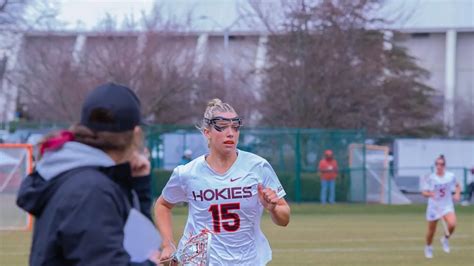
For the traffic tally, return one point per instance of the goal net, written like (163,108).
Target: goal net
(15,164)
(378,187)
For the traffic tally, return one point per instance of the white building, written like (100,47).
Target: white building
(440,36)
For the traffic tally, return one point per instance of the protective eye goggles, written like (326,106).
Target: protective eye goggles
(221,123)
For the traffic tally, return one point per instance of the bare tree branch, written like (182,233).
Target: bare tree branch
(329,68)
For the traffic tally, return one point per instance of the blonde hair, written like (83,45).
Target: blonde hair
(214,106)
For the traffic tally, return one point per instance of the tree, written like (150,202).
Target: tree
(56,71)
(465,122)
(26,14)
(329,67)
(11,11)
(236,90)
(153,56)
(16,17)
(155,71)
(51,86)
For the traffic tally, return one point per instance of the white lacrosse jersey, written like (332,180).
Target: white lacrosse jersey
(442,202)
(227,205)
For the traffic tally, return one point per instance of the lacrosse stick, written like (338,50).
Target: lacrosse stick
(195,251)
(445,227)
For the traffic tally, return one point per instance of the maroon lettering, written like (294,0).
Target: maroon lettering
(220,193)
(197,196)
(247,192)
(206,192)
(236,192)
(223,194)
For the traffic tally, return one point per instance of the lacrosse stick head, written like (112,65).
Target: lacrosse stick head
(196,250)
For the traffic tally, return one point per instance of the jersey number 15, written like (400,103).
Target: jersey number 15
(222,217)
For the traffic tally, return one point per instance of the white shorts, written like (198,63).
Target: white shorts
(434,212)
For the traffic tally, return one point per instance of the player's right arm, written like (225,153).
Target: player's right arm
(172,193)
(163,217)
(426,187)
(428,194)
(321,166)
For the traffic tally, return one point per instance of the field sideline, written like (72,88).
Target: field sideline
(346,234)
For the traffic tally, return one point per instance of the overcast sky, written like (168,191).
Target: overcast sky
(222,13)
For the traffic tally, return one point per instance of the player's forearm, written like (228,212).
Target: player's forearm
(281,214)
(163,220)
(427,194)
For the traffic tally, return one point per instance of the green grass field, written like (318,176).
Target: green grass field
(331,235)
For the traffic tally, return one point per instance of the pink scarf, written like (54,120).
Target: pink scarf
(56,141)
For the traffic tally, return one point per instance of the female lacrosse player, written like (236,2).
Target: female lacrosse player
(437,187)
(227,191)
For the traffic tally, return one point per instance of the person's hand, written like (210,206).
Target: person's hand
(166,254)
(140,164)
(428,194)
(155,257)
(268,197)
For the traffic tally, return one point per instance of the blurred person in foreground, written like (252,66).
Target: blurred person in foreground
(328,172)
(227,191)
(86,183)
(438,188)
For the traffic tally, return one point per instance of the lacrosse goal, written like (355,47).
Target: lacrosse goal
(16,161)
(370,177)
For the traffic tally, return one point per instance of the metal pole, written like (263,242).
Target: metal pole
(450,80)
(389,178)
(364,171)
(226,56)
(297,167)
(465,183)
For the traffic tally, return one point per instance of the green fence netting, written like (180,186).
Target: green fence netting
(293,153)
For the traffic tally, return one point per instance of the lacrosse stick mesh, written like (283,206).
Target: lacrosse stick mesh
(196,250)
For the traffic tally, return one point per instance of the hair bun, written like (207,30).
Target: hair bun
(214,102)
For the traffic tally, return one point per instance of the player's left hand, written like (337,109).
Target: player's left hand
(140,164)
(268,197)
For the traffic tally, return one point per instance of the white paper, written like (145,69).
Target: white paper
(141,237)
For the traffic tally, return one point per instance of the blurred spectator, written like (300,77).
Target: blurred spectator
(87,182)
(328,173)
(187,157)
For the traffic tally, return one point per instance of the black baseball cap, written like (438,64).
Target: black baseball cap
(111,107)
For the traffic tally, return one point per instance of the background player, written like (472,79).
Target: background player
(227,191)
(438,187)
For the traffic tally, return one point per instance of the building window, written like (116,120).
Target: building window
(420,35)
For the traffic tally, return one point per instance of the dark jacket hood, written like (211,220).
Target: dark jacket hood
(38,187)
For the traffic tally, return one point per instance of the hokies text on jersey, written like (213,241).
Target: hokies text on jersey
(222,194)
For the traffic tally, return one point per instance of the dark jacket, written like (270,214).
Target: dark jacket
(81,200)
